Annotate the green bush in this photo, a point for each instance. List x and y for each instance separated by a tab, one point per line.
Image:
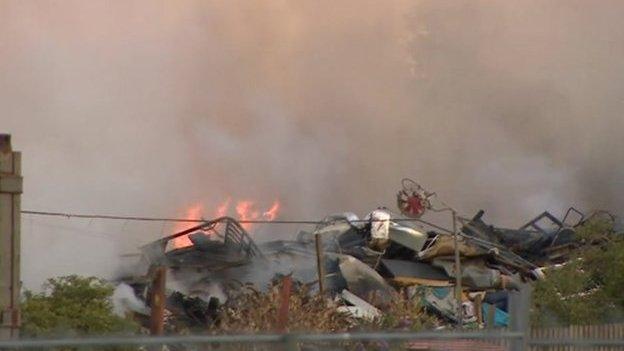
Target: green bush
588	289
72	305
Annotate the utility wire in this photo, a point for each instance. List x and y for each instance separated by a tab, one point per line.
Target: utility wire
155	219
195	220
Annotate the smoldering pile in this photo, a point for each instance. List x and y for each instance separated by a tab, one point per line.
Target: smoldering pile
382	271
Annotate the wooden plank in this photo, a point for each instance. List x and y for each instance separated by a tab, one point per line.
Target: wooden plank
535	335
547	335
590	334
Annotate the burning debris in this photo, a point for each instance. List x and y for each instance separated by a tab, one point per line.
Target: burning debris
246	210
225	281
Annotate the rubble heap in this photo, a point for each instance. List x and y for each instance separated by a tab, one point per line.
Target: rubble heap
372	268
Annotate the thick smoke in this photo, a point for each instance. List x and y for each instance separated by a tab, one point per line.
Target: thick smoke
146	107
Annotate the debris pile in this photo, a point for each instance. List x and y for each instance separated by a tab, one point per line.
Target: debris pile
380	271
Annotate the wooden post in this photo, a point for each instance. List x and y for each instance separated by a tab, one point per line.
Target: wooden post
458	273
320	263
519	305
491	316
157	320
478	303
282	313
10	211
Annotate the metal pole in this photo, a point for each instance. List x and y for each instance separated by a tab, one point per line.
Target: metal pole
157	322
10	211
458	273
319	263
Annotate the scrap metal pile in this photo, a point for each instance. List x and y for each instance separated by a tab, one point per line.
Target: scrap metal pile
366	264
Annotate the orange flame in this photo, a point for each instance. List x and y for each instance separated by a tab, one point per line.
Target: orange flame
193	212
223	208
245	210
271	213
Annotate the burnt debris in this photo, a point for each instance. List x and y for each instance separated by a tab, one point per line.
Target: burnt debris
367	264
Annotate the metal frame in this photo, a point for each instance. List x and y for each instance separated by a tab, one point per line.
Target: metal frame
234	234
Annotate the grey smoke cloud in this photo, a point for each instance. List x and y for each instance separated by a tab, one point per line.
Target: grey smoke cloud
147	107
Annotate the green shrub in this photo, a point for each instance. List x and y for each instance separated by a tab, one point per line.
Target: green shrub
588	289
72	305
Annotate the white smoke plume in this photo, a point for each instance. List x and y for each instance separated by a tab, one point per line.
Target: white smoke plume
144	107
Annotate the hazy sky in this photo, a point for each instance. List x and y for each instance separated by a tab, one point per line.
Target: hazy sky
147	107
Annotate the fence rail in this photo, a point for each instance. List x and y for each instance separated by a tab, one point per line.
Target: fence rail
606	337
594	338
284	339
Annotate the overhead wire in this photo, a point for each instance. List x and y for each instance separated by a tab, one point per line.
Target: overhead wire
201	220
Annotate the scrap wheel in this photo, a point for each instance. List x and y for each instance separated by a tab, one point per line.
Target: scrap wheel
413	199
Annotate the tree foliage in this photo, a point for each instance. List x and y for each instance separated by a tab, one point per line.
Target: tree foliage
72	305
587	289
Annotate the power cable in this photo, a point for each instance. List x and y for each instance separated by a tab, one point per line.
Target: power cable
196	220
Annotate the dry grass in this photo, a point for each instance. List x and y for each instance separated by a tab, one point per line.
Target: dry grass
252	311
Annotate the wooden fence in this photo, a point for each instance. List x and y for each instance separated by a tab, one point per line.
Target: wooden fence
579	332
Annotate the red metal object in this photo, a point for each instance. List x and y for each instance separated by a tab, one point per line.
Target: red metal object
413	200
411	205
282	313
415	207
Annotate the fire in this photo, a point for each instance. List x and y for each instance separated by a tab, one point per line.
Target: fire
223	208
271	213
246	210
193	212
